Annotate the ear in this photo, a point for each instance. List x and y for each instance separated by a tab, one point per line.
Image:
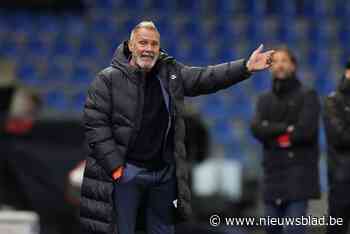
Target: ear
294	67
130	45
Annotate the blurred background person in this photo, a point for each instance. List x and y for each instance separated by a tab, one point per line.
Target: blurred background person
19	109
286	124
337	125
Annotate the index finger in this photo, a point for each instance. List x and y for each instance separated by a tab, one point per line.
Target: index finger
269	52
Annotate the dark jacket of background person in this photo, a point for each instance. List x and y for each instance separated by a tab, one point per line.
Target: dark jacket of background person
289	173
337	125
112	116
18	109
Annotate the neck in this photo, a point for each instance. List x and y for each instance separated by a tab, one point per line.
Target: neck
284	86
133	63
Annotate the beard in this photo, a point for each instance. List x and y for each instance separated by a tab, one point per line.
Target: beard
283	75
145	61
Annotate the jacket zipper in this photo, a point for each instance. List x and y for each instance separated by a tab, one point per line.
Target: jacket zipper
169	115
141	94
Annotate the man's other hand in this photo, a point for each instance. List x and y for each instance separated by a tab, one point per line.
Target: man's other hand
117	173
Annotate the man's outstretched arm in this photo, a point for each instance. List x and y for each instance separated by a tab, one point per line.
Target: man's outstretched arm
205	80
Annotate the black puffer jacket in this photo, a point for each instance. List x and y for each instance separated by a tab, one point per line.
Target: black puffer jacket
112	117
289	173
337	124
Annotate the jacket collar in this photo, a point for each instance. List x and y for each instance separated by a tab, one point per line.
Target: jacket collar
283	87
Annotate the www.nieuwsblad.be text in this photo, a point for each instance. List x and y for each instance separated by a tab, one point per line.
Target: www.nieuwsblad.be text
215	220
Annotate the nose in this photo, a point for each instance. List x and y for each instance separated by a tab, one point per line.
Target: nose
149	48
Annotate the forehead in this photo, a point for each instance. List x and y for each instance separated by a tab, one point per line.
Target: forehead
147	34
280	54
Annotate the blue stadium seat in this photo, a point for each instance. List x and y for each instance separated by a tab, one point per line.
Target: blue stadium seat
78	101
162	6
318	59
21	20
55	74
344	35
318	34
307	8
88	48
325	83
284	8
261	81
189	28
222	133
241	107
81	75
9	49
61	47
37	48
28	74
226	53
342	9
101	3
255	9
48	24
138	5
71	25
225	7
235	149
287	31
213	107
104	26
57	100
192	7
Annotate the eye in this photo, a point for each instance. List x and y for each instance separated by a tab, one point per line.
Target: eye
143	42
155	43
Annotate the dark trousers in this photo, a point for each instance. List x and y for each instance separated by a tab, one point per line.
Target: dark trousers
282	209
338	209
156	188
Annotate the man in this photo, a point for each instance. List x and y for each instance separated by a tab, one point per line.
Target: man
19	110
135	129
286	123
337	124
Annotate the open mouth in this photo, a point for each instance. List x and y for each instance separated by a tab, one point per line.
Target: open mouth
147	56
